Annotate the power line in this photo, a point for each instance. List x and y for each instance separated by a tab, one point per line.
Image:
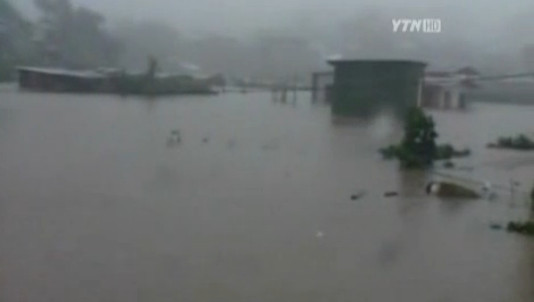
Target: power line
507	76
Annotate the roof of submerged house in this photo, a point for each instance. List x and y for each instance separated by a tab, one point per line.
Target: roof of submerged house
374	61
448	79
88	74
438	74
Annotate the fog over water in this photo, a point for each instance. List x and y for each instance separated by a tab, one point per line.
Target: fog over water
490	35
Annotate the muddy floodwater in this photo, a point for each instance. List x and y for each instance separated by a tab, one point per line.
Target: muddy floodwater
237	198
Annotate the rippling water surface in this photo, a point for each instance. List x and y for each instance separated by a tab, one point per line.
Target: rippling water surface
100	202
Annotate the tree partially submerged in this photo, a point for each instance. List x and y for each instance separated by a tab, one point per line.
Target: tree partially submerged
519	142
525	228
418	148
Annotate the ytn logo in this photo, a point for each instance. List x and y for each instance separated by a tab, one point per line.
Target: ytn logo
417	25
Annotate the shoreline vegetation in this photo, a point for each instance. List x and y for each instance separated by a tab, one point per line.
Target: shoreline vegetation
523	228
520	142
418	148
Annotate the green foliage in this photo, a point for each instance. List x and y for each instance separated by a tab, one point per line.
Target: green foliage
418	148
525	228
390	152
519	142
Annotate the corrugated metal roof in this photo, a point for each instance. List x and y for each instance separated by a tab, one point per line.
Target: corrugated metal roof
375	61
88	74
438	74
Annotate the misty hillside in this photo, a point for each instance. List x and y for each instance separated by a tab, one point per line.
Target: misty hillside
275	39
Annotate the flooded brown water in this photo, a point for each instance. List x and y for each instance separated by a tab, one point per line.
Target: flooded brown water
252	205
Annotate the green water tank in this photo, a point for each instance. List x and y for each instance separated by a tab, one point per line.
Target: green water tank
366	87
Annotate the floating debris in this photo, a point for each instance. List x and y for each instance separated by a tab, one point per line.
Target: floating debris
319	234
391	194
451	190
205	140
174	139
357	196
496	226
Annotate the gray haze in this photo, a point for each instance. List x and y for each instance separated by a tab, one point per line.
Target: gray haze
235	35
243	16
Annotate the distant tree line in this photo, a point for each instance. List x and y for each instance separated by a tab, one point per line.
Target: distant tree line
14	41
69	36
63	35
66	35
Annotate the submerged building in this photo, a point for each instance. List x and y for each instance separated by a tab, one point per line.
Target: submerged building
448	90
114	81
360	87
366	87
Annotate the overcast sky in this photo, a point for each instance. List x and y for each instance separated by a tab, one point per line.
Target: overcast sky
491	31
236	17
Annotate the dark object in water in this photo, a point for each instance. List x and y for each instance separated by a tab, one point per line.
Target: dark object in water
525	228
113	81
174	139
447	151
520	142
205	140
363	88
357	196
450	190
418	148
391	194
496	226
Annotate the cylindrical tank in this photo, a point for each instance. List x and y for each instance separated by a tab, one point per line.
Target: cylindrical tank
366	87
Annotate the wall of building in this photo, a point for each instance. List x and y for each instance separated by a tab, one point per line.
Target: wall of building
363	88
